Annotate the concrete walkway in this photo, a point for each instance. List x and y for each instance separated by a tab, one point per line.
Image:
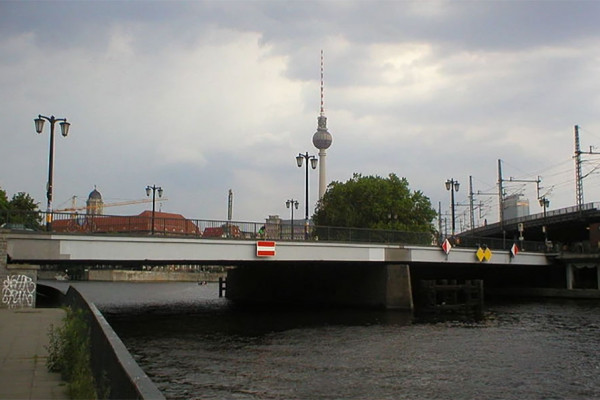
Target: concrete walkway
23	337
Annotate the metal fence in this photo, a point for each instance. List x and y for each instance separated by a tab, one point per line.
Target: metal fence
74	223
503	244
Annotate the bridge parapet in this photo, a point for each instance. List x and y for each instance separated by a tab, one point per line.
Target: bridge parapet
18	281
539	217
107	249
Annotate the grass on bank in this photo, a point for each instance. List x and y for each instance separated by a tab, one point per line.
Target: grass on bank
69	354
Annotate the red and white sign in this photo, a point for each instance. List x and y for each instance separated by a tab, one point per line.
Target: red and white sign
514	250
265	248
446	246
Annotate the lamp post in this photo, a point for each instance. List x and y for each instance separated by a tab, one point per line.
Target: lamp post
291	204
452	186
64	128
544	202
153	189
313	163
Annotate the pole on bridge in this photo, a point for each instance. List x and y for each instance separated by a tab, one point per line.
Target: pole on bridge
501	202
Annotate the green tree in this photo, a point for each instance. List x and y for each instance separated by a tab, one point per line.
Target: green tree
4	206
373	202
20	210
3	200
23	202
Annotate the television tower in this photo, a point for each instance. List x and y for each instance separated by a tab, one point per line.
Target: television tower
322	140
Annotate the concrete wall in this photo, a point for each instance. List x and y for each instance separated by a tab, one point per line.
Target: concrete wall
342	284
152	276
398	289
113	367
18	281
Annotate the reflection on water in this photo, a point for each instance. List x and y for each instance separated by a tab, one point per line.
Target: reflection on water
195	346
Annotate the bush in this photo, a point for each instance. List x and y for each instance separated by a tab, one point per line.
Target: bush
69	354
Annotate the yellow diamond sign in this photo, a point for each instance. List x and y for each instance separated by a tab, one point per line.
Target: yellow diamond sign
487	254
483	254
480	254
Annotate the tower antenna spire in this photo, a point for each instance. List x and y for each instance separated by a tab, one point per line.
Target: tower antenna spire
322	139
322	87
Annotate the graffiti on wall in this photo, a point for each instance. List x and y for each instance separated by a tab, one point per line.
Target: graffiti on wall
18	291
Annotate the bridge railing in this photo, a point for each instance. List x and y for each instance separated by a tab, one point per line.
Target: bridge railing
502	244
74	223
540	216
179	226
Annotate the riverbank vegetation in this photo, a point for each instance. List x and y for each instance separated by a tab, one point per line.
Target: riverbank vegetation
69	354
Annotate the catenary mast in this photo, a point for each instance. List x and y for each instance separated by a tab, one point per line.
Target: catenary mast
322	140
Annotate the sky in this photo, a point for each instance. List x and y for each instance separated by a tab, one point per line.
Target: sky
200	97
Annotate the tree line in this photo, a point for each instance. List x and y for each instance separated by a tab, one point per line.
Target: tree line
20	210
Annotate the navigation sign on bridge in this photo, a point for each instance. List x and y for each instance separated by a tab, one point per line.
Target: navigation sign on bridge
482	254
265	248
446	246
514	250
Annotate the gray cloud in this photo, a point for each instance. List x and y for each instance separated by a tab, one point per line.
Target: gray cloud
201	97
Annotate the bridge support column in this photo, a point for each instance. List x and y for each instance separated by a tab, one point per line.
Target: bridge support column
18	281
569	271
398	290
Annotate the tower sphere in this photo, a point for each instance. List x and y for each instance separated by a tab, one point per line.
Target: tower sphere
322	138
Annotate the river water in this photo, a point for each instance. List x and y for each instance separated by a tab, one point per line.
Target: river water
194	345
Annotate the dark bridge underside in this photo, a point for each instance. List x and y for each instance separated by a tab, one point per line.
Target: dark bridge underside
494	276
328	284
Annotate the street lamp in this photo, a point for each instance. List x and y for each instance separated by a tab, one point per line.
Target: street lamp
291	204
313	163
64	128
153	189
544	202
452	186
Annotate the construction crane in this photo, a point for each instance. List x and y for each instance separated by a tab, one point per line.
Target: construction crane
74	207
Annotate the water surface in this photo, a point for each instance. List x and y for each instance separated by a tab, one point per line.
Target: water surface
193	345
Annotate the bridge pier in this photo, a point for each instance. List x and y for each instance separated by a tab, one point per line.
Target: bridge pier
576	279
18	281
319	284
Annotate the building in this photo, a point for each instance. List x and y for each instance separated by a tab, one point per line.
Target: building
282	229
223	231
94	203
164	224
515	207
95	221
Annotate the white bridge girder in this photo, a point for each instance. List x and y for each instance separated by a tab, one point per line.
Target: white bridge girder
50	248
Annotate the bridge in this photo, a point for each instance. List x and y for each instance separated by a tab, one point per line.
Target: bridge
573	228
64	249
330	265
355	274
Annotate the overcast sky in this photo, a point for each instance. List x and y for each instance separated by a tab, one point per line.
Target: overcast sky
200	97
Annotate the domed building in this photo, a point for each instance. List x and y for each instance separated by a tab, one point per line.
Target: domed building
94	203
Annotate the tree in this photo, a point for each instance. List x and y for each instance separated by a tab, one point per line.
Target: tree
3	206
23	202
373	202
20	210
3	200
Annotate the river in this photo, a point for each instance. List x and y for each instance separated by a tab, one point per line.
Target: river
194	345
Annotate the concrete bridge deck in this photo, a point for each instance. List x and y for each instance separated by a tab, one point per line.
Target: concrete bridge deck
297	272
110	249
